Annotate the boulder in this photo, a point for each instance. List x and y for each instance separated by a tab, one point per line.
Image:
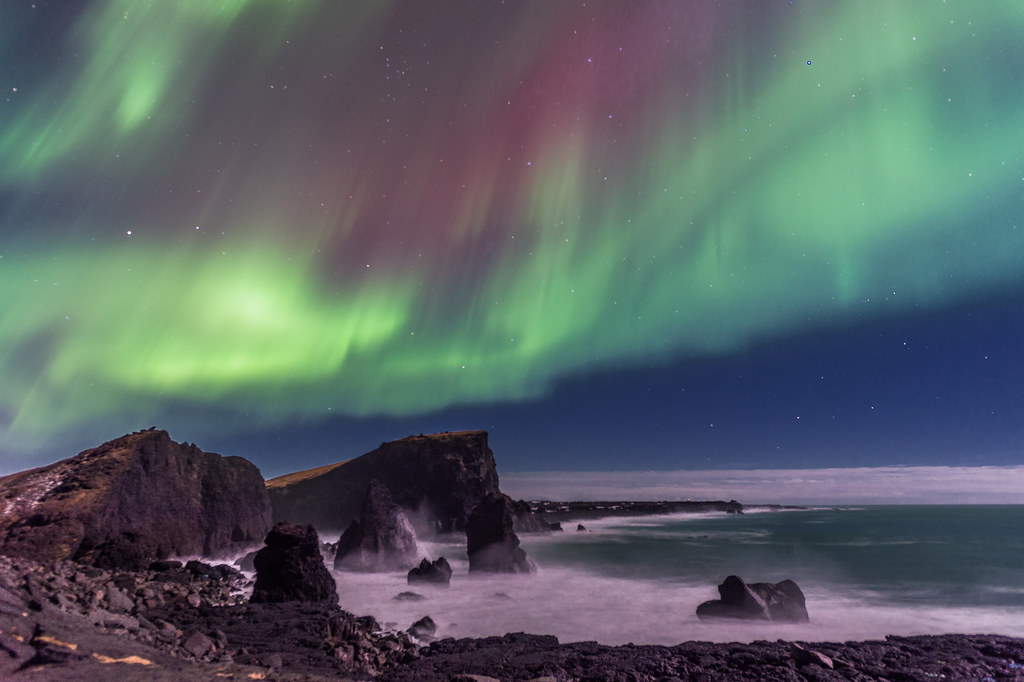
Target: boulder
438	572
291	568
782	602
424	628
443	476
381	540
491	542
132	500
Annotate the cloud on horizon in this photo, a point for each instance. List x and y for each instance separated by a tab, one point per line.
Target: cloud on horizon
866	485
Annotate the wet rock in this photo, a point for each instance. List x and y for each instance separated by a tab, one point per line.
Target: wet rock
491	542
381	540
438	572
409	596
783	601
424	628
803	656
291	568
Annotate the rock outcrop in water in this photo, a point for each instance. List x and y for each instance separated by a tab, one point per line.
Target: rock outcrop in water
131	500
438	572
291	568
491	542
781	602
443	476
381	540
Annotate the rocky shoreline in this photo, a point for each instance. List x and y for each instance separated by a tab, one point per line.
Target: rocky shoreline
65	621
87	591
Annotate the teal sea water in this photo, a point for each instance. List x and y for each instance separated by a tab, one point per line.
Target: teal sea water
950	555
866	572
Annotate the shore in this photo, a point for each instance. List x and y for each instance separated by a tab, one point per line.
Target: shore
68	622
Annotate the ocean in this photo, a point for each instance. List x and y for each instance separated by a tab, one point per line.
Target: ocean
866	572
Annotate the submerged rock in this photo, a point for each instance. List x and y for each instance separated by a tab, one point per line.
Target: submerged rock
291	568
491	543
782	602
381	540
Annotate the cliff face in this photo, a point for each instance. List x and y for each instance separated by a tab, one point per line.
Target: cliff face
443	476
135	498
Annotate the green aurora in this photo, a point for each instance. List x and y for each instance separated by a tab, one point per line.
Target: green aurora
280	209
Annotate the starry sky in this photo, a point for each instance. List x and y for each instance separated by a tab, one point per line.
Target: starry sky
617	235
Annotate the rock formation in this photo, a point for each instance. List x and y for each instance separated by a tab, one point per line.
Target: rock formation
491	542
381	540
444	476
132	500
291	568
436	573
782	602
424	628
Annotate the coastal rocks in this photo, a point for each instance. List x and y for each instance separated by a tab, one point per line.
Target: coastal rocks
291	568
68	621
131	500
438	572
424	628
491	542
781	602
442	476
381	540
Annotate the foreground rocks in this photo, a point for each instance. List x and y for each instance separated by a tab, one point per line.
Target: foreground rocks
381	540
491	542
443	476
131	500
782	602
69	622
535	657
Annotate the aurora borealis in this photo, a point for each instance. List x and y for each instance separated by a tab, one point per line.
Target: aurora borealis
254	222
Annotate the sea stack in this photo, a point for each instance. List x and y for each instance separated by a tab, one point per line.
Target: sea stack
491	542
381	540
132	500
290	567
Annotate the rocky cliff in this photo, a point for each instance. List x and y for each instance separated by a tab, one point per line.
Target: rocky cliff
443	476
133	499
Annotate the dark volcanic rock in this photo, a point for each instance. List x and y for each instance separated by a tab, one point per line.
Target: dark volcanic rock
521	656
438	572
381	540
783	602
290	568
491	542
443	476
424	628
526	520
137	498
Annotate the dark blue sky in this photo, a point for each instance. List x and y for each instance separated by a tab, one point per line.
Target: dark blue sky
928	388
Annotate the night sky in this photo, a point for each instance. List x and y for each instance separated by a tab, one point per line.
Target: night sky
617	235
